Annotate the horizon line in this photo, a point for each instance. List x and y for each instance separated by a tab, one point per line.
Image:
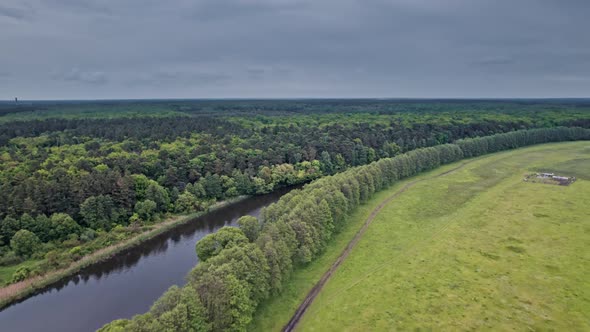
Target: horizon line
292	98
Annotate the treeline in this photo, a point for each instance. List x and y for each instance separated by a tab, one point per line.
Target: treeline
488	144
131	108
241	267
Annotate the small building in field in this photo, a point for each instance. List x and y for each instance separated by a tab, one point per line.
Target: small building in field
550	178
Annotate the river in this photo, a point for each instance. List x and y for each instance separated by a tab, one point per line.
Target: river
128	283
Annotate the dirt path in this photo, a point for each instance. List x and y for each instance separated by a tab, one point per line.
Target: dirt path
328	274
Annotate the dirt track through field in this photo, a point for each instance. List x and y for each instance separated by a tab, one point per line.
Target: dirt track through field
328	274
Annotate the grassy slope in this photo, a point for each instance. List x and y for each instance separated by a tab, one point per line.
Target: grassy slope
476	249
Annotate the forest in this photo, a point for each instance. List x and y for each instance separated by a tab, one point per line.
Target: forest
241	267
79	176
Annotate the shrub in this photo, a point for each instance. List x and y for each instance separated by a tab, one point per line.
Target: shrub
10	258
88	235
38	254
72	241
52	258
21	274
76	253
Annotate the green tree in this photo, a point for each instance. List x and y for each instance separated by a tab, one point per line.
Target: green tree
250	226
42	228
247	263
212	244
339	163
325	218
159	195
243	182
28	222
140	185
61	226
119	325
180	309
186	203
8	228
326	162
99	212
213	185
197	190
226	298
25	243
277	254
146	210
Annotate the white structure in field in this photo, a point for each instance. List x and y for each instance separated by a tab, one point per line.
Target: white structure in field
554	177
565	178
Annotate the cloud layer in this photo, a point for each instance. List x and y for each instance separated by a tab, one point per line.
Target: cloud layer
74	49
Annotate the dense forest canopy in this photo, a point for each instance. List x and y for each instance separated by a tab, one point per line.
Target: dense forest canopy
72	170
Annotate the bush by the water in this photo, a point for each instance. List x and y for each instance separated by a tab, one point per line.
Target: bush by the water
21	273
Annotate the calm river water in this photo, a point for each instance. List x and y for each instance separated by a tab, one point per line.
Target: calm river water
128	283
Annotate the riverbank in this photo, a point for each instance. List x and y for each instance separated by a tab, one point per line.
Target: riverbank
21	290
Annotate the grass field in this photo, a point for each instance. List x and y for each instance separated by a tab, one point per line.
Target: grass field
476	249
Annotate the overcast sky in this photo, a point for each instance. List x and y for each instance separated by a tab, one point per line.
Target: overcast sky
80	49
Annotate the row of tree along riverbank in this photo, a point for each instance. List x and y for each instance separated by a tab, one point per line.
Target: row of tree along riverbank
241	267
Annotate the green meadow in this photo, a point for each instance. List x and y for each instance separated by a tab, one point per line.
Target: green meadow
476	249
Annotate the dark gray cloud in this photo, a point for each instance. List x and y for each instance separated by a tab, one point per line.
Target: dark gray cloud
15	11
232	9
78	76
180	77
82	7
494	61
294	48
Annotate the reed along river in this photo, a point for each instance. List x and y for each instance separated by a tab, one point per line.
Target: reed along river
128	283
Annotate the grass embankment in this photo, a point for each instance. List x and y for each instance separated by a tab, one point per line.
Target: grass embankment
476	249
20	290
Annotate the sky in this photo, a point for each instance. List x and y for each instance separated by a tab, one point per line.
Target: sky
127	49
